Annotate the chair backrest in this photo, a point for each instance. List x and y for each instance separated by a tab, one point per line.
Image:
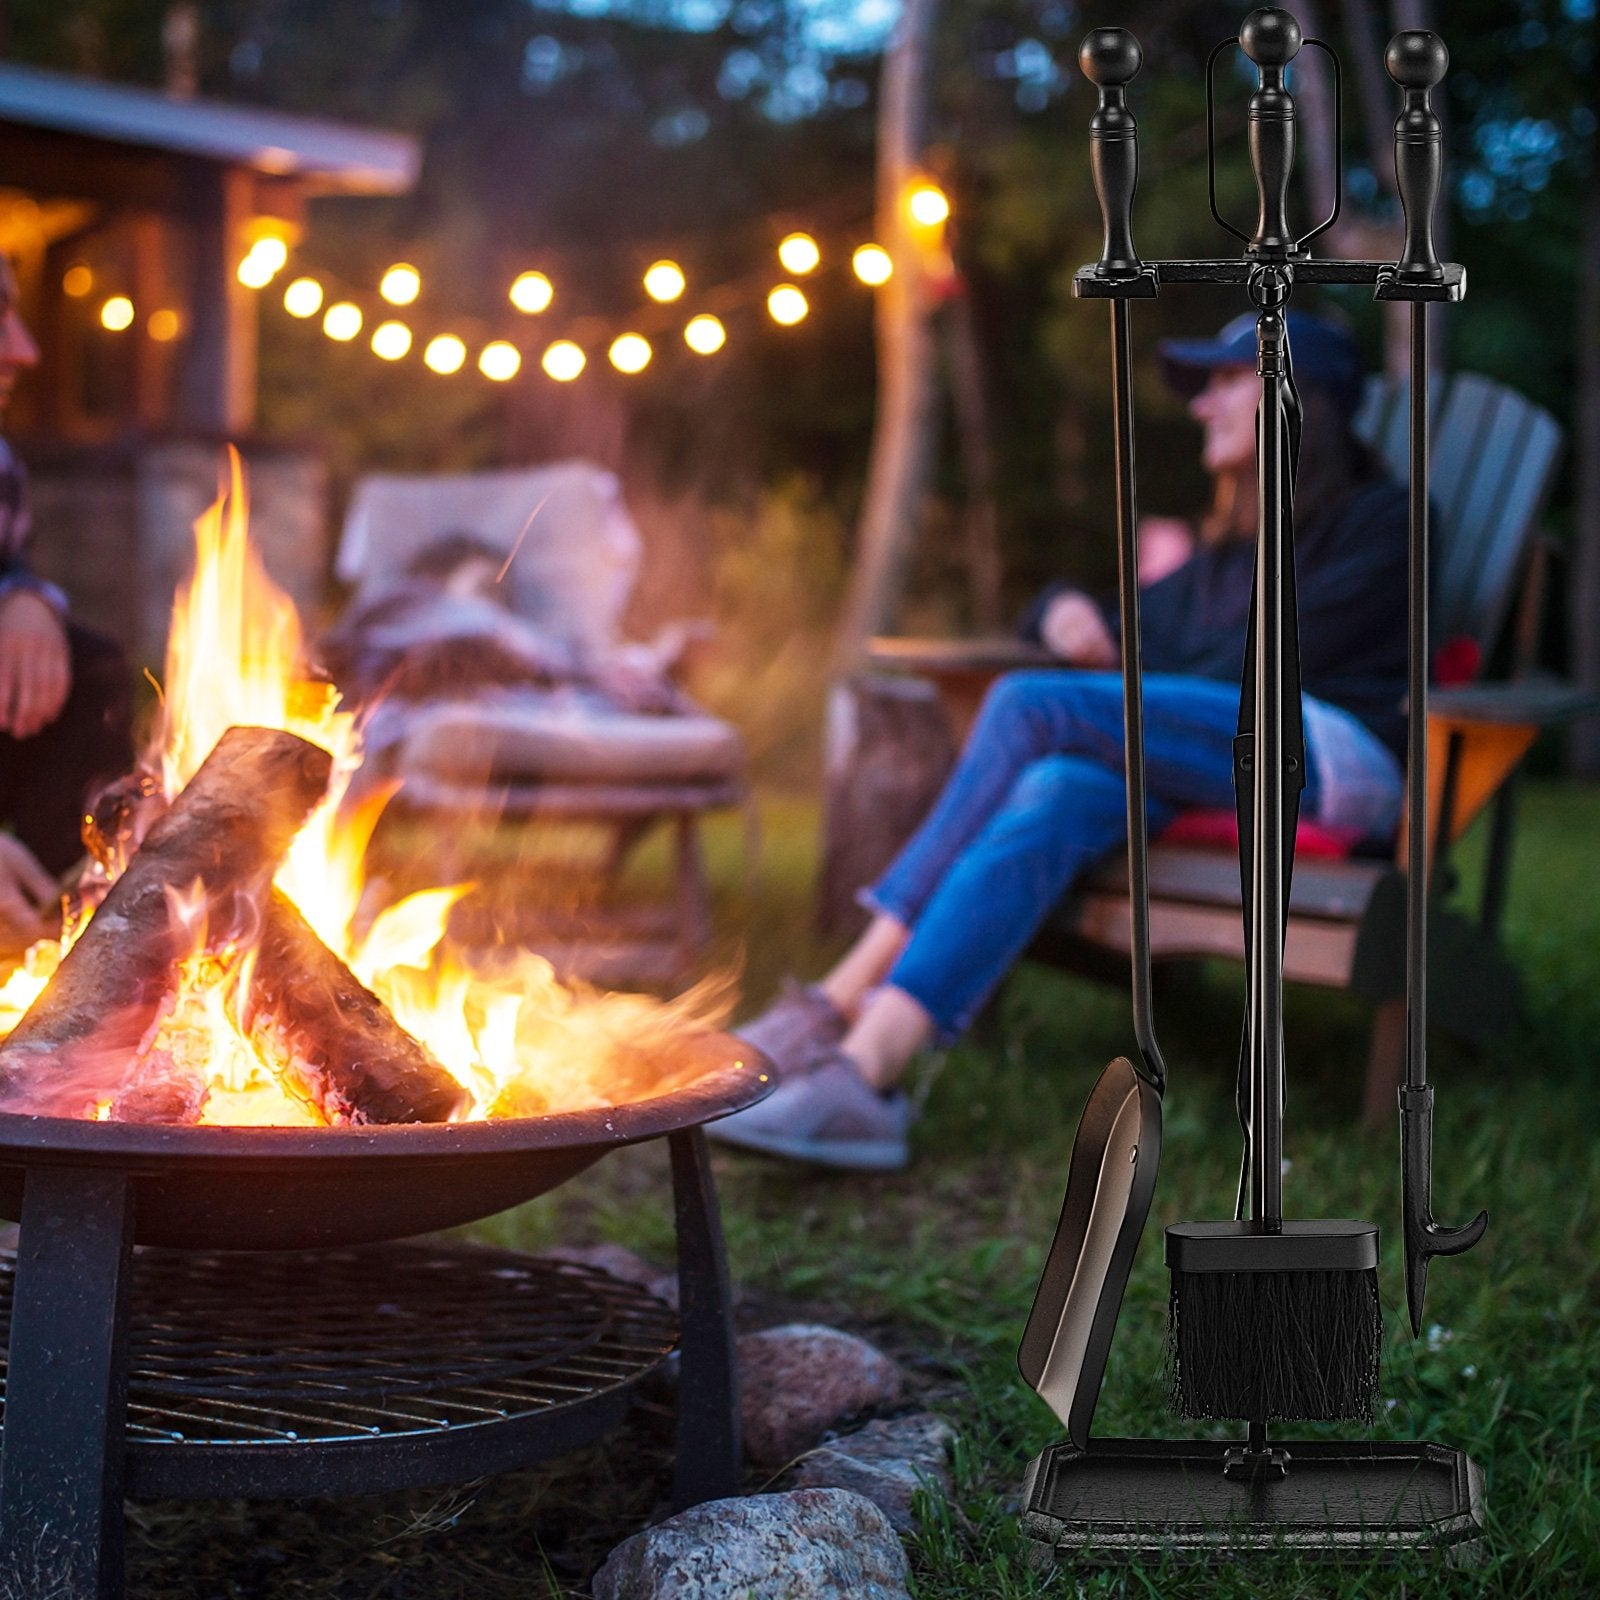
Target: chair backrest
574	551
1493	457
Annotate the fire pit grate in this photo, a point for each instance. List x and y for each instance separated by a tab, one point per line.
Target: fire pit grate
241	1363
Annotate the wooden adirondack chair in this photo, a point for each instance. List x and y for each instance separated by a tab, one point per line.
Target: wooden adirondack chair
1494	454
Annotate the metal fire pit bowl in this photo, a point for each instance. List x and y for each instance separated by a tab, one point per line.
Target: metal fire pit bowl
85	1192
228	1188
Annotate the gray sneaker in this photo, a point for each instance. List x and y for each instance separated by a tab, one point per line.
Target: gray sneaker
830	1116
799	1029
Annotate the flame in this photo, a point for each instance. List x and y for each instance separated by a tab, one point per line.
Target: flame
520	1041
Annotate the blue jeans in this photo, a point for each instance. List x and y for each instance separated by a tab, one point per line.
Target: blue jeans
1038	796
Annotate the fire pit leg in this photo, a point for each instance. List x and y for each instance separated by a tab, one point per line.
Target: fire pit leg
61	1459
707	1464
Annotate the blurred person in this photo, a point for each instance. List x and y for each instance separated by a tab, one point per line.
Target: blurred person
1038	794
65	695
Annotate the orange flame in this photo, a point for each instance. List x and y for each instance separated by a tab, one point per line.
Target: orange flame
520	1041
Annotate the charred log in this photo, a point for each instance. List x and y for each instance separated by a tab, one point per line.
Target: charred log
340	1046
225	834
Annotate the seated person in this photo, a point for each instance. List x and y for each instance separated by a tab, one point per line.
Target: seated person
65	697
1038	795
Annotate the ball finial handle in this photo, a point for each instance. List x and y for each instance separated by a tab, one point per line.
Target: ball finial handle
1417	61
1110	59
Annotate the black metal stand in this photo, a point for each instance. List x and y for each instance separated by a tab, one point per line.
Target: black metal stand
1130	1499
64	1453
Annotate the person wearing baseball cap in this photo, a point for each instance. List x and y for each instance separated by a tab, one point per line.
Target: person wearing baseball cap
1038	794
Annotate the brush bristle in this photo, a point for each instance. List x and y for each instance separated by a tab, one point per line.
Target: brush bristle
1254	1346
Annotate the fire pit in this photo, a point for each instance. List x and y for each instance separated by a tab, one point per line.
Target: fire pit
96	1331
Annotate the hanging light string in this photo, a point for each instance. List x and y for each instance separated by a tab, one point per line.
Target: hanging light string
697	315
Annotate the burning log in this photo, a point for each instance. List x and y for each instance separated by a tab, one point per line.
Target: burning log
340	1045
226	832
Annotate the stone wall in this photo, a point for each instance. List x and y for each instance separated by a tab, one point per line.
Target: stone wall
113	528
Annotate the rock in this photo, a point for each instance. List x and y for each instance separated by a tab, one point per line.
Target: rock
812	1544
797	1381
885	1461
622	1263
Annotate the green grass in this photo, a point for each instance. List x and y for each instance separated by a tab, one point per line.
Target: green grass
938	1265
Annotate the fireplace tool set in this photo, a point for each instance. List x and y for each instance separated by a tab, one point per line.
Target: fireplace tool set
1271	1318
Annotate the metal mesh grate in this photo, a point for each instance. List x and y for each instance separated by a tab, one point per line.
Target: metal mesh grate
309	1347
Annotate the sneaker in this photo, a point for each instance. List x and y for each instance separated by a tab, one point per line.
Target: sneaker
830	1116
796	1031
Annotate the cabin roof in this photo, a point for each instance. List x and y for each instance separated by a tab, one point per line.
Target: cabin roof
329	157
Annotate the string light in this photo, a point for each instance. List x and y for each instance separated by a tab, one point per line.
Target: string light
532	293
799	253
391	340
401	284
271	252
164	325
563	361
787	305
77	281
117	313
303	298
928	204
705	335
871	264
630	352
445	354
500	360
254	272
342	321
665	281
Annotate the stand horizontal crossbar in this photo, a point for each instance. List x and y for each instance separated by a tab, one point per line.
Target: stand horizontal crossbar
1145	1499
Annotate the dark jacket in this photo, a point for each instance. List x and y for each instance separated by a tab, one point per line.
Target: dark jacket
16	526
1350	581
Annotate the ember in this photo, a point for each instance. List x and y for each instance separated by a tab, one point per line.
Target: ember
212	968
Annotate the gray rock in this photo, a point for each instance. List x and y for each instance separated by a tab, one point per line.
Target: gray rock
622	1263
885	1461
813	1544
797	1381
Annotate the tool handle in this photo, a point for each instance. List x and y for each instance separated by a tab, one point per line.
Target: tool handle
1417	60
1110	59
1270	37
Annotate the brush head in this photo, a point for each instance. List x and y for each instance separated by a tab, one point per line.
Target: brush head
1278	1325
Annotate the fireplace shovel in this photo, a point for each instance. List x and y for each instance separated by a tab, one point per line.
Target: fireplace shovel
1112	1173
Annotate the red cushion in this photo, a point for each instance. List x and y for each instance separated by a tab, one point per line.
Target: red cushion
1456	662
1219	829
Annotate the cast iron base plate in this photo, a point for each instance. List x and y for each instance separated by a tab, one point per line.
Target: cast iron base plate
1127	1499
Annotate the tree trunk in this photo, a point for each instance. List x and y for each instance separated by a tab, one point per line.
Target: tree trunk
981	515
898	466
1584	747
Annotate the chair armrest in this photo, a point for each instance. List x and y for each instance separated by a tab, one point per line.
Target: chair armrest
1536	701
960	669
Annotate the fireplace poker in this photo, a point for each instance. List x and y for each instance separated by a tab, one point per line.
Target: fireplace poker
1111	1174
1417	61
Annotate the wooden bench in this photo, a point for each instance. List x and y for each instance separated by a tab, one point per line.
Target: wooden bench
1494	454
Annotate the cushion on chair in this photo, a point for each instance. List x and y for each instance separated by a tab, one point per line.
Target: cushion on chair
1219	829
572	551
517	739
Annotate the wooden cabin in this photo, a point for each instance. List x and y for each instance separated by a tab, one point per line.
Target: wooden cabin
117	194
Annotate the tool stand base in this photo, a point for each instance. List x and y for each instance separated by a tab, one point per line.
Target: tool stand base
1148	1499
